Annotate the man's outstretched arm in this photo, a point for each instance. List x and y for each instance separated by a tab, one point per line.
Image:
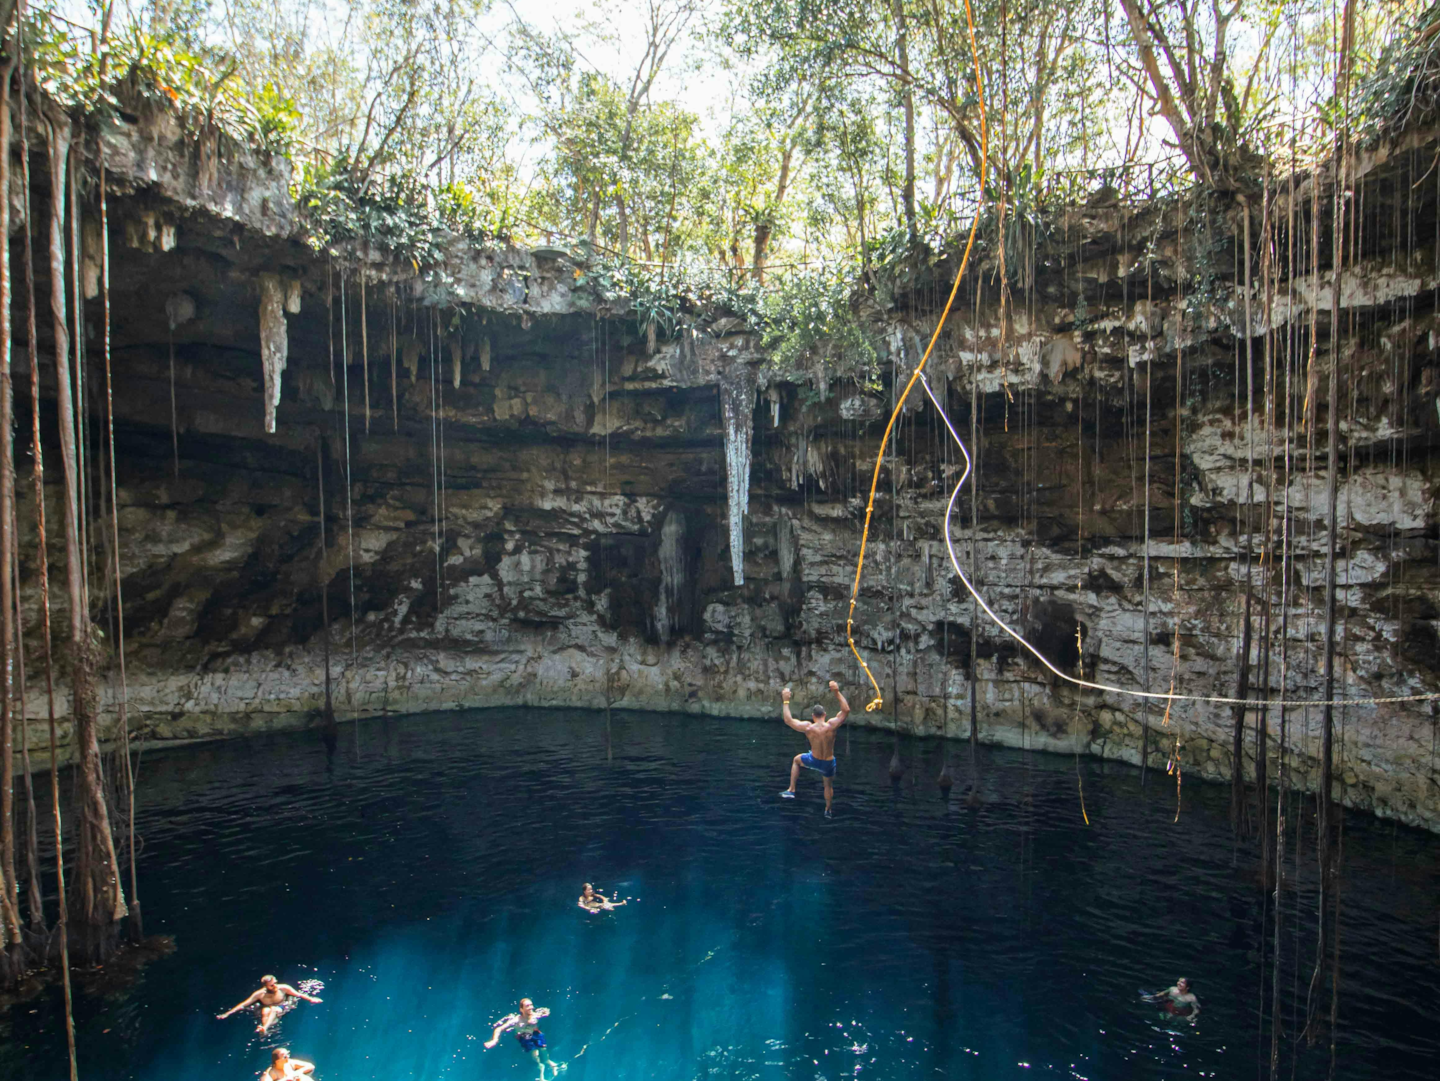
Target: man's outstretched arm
298	994
785	711
844	706
505	1024
254	997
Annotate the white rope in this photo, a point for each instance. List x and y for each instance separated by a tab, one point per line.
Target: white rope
1088	684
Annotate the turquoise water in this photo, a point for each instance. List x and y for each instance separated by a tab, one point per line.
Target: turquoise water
427	873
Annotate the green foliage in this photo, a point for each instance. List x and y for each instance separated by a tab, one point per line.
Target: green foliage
811	330
392	215
623	174
135	67
411	121
396	213
482	213
1402	89
807	322
667	298
1028	208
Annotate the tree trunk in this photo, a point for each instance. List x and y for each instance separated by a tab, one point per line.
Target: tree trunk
97	903
907	104
33	901
10	907
1185	136
622	236
37	475
765	228
137	922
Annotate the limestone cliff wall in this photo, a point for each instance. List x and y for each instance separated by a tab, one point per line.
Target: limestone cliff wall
548	512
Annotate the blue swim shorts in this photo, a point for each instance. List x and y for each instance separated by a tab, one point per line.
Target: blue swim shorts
823	766
531	1041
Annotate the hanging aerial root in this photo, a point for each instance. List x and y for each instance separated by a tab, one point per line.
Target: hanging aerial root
879	699
1169	697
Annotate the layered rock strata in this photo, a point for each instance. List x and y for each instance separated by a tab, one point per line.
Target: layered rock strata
540	509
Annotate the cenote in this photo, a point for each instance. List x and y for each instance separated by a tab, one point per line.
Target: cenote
435	433
427	872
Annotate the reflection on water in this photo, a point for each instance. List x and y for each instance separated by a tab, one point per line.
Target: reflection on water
432	880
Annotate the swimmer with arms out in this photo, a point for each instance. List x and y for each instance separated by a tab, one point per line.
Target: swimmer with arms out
271	999
821	734
285	1068
1178	1001
526	1026
591	901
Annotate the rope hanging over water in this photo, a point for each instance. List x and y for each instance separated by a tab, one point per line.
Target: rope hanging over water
879	699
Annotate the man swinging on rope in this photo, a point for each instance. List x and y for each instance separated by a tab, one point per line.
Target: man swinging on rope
821	734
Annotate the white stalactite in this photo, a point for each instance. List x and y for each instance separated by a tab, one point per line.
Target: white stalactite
737	406
274	343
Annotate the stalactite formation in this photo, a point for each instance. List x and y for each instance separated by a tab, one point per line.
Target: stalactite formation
274	343
737	407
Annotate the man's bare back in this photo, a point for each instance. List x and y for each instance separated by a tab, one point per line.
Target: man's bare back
820	733
822	737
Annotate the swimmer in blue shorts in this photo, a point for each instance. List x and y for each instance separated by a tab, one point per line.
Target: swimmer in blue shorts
821	734
526	1026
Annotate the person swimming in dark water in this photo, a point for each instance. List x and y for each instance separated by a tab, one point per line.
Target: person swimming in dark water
526	1026
1178	1001
271	998
591	901
285	1068
821	734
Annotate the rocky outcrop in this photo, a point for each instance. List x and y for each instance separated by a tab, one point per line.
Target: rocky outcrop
540	509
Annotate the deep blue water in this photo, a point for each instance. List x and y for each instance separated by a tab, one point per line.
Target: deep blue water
427	873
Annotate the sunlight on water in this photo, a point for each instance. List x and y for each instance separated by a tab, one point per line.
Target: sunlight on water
428	884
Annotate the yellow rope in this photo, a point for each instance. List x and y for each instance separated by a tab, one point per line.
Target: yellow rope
879	699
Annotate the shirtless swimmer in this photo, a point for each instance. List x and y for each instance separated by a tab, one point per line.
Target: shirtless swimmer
1178	1001
271	999
821	734
593	901
526	1026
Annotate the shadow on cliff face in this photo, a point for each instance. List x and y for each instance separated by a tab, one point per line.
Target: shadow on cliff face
1421	644
1051	629
654	581
262	585
952	641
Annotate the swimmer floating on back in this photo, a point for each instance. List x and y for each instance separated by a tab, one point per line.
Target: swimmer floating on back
285	1068
591	901
526	1026
821	734
271	999
1178	1001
